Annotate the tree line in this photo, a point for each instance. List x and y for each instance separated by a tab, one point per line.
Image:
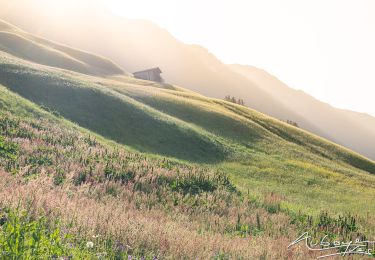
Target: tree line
235	100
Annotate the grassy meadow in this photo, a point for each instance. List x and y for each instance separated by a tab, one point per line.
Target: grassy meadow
102	165
67	192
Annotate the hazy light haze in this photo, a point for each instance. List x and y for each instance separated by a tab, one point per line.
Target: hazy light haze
325	48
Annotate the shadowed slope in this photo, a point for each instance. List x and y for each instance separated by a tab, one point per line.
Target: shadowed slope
109	113
159	120
136	45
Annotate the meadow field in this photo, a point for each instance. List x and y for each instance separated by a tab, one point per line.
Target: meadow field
98	164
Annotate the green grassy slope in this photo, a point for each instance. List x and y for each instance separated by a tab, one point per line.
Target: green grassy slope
64	187
109	113
279	175
262	155
135	204
26	46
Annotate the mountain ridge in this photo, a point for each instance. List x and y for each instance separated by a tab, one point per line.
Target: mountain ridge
337	122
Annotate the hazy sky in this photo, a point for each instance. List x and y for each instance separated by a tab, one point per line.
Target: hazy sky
325	47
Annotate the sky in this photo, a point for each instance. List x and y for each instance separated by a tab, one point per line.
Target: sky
324	47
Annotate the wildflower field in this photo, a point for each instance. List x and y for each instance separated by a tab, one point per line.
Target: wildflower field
70	194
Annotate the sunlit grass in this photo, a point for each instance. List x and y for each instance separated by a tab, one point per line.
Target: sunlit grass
213	180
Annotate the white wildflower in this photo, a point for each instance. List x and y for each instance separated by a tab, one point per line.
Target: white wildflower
89	244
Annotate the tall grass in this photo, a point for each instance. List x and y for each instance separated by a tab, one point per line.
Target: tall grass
251	186
70	195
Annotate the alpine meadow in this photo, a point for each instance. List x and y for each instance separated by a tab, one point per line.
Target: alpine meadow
98	164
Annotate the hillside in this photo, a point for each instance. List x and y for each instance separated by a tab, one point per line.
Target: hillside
58	176
333	123
136	45
155	170
26	46
174	122
67	192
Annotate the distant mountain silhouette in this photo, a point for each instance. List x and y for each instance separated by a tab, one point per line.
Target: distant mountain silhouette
352	129
138	44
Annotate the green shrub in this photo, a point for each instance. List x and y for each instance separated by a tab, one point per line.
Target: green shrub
198	183
343	227
22	237
119	176
8	154
193	185
59	177
80	178
111	190
8	150
40	159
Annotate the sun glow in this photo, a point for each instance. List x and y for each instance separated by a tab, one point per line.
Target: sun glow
141	9
310	45
55	8
163	12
